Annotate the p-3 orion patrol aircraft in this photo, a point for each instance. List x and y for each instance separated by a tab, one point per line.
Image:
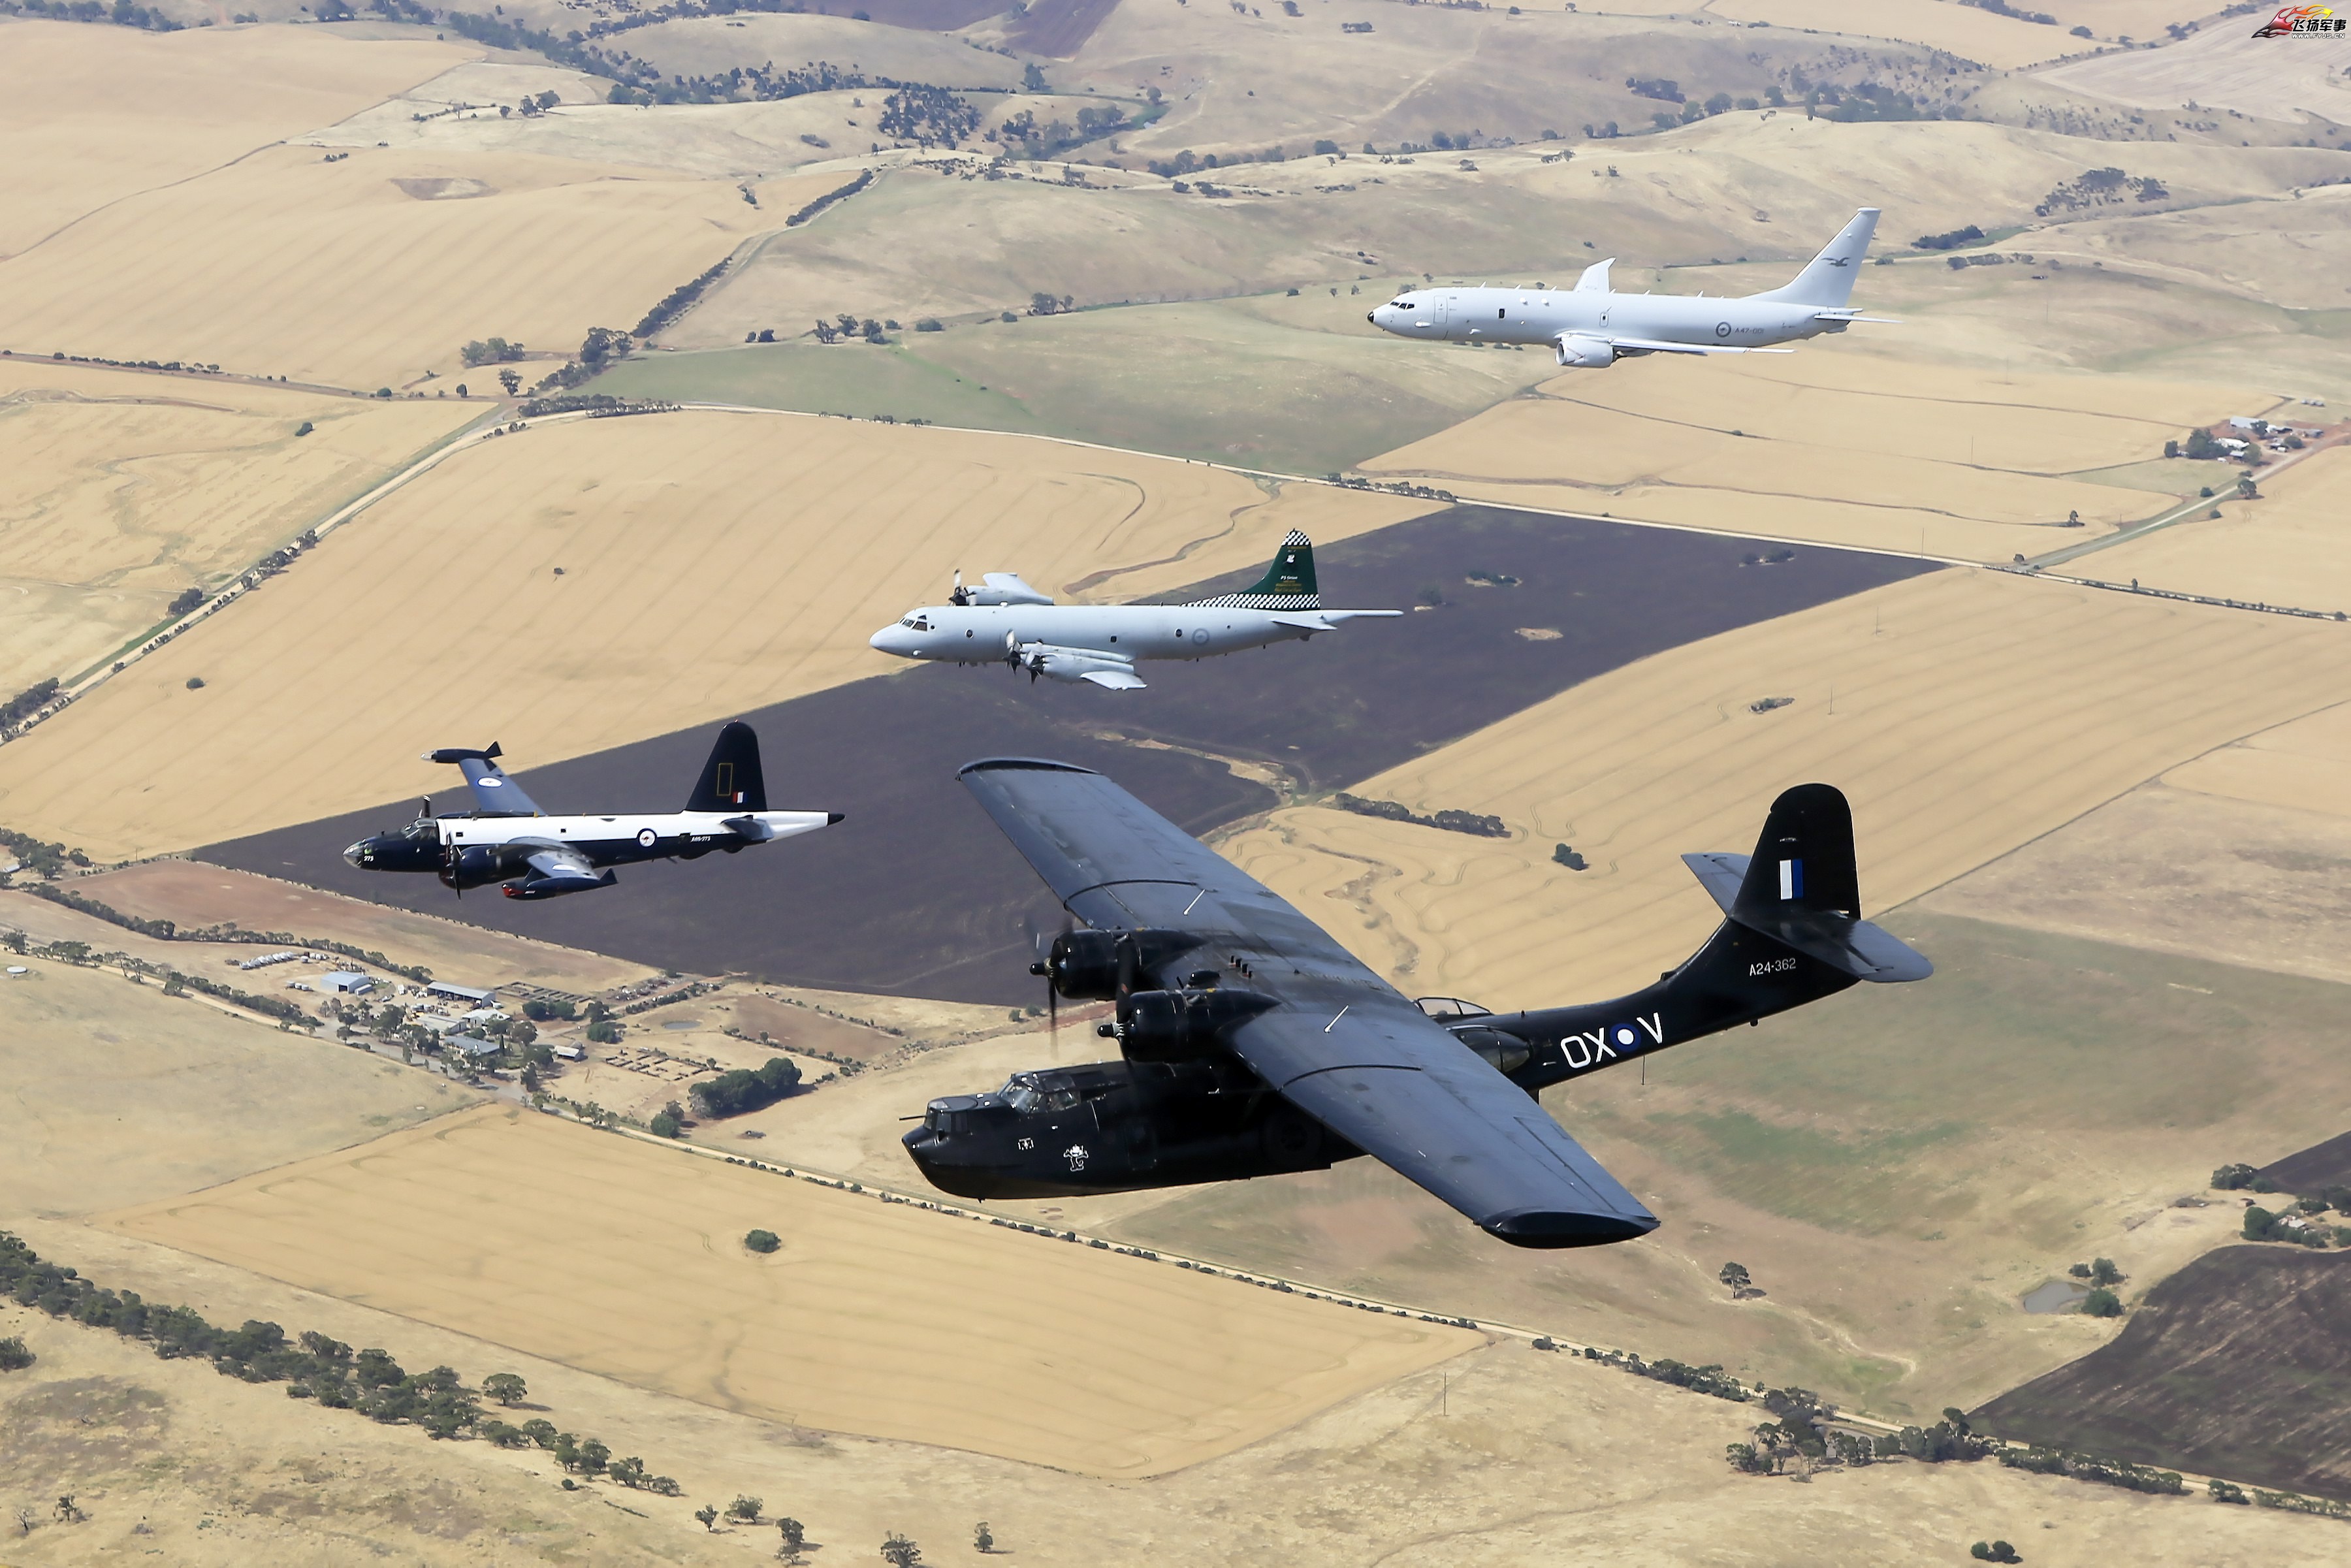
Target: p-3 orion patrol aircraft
1251	1044
1593	326
507	838
1006	620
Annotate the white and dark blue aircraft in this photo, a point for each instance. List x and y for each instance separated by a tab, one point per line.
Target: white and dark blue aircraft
1591	326
508	839
1006	621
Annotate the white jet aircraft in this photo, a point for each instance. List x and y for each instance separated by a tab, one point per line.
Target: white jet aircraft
1593	327
1008	621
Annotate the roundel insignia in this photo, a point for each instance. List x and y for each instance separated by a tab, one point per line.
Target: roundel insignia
646	837
1200	638
1624	1038
489	783
1722	328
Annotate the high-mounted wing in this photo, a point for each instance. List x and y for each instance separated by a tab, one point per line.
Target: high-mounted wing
495	794
1338	1042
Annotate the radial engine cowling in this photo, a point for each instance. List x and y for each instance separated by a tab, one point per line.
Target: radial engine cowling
1096	965
1175	1025
1579	353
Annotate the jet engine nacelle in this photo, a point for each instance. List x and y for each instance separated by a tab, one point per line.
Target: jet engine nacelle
1586	353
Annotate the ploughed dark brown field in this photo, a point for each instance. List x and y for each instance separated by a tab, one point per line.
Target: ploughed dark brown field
917	895
2239	1366
2313	1169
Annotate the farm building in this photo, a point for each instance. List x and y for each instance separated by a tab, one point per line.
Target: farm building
349	981
450	991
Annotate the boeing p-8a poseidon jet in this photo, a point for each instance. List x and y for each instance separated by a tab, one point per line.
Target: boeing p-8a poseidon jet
1593	327
1006	621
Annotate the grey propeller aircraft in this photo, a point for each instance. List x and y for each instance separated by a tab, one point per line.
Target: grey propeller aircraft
1591	326
1251	1044
1006	621
508	839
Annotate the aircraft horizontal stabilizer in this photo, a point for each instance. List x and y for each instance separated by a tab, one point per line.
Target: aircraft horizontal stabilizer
1801	888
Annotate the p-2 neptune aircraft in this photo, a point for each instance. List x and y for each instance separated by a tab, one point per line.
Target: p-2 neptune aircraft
1251	1044
1005	621
507	838
1591	326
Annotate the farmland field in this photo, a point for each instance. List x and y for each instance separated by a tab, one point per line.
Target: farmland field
2233	1367
115	1094
2286	548
885	1321
595	584
1964	713
92	117
920	896
123	489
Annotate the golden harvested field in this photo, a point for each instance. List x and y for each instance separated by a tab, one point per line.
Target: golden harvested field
2300	766
2293	547
222	1474
89	116
712	563
440	248
123	488
882	1319
2004	42
190	894
2223	67
2181	870
1824	444
114	1093
1963	713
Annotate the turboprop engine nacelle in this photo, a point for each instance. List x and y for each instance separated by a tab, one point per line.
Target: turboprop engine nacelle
1586	353
1060	664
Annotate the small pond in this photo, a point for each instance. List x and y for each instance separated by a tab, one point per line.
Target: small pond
2055	1296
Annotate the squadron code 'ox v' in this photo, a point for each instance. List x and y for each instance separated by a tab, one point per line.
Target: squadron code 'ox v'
1251	1044
508	836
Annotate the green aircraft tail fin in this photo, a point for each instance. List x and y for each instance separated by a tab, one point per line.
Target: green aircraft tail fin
1288	582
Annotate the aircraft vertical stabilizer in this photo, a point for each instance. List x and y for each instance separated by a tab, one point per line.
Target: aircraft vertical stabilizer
1827	281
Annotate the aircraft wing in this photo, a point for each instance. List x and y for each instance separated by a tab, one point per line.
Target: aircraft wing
495	794
1115	680
1339	1043
1660	346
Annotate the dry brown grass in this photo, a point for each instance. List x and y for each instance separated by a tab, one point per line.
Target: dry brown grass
1963	713
191	894
1460	1465
712	563
1828	445
535	250
90	116
2293	547
882	1319
117	1093
2184	870
2299	767
123	488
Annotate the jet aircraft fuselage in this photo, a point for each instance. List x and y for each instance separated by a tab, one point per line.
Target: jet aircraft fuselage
1006	621
1591	326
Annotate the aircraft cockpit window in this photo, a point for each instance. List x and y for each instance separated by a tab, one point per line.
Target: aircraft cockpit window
1061	1099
